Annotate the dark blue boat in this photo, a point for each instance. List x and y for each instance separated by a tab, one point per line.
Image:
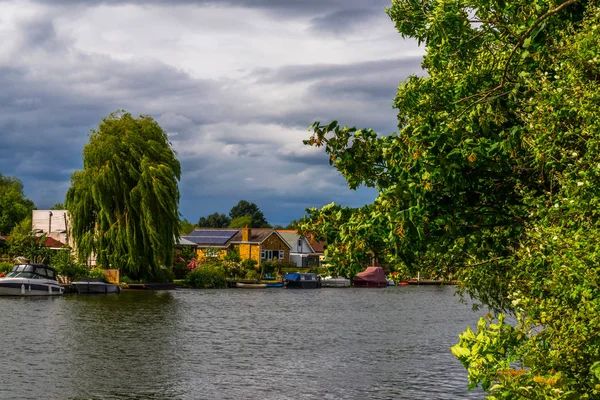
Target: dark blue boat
302	280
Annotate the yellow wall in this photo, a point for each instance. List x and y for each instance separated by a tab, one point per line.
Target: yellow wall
274	242
201	253
252	251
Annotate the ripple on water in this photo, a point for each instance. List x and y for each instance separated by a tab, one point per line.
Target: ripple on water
236	344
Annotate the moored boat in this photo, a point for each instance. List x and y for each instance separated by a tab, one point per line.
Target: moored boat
30	280
302	280
371	277
95	286
250	285
328	281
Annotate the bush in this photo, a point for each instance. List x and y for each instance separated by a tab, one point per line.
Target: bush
96	273
162	275
72	271
249	264
206	277
5	267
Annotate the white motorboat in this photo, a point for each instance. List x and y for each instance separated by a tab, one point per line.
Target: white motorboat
328	281
30	280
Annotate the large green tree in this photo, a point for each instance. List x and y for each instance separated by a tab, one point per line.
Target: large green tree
494	174
245	208
14	205
124	203
214	220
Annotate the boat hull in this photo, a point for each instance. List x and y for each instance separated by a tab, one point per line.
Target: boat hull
335	282
251	285
302	284
95	288
369	284
19	287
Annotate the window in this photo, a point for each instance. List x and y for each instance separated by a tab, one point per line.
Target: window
211	253
266	254
271	254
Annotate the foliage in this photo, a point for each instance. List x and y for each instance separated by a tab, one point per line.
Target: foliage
28	246
206	277
352	239
241	222
63	262
493	176
181	259
5	267
274	268
124	203
245	208
96	273
186	226
58	206
214	220
14	205
233	255
296	223
249	264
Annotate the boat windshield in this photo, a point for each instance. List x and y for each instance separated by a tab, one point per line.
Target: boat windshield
31	272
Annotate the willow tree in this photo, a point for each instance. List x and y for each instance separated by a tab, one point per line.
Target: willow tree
124	203
495	171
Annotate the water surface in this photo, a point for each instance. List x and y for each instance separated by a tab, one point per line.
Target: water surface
390	343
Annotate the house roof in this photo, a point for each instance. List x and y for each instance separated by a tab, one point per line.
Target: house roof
291	237
185	242
258	235
53	243
319	247
208	237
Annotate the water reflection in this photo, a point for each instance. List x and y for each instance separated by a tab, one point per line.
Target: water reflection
221	344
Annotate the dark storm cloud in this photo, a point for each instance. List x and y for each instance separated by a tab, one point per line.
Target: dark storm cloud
346	19
286	7
235	138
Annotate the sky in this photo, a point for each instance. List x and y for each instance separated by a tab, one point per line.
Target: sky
235	83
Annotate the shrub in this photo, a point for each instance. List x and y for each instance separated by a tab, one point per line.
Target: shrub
249	264
96	273
5	267
206	277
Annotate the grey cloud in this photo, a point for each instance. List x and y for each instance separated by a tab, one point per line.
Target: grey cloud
402	67
285	7
47	110
346	20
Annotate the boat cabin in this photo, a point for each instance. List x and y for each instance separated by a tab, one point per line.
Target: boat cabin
302	280
32	271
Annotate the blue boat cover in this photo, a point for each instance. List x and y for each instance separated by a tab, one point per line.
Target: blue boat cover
297	276
292	276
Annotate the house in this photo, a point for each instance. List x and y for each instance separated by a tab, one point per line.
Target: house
301	253
211	242
259	244
54	224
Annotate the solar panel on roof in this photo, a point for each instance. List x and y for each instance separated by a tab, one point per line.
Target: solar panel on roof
207	236
216	233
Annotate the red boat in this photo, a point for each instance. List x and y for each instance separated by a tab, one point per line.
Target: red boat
371	277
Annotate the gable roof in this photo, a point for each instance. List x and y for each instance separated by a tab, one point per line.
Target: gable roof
211	237
53	243
185	242
291	237
258	236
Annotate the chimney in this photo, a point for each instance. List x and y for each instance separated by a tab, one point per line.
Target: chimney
246	234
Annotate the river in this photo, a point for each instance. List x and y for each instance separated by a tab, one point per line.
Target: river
390	343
